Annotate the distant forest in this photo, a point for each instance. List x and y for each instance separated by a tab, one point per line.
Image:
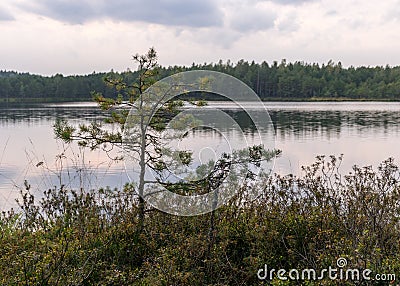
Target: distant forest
276	81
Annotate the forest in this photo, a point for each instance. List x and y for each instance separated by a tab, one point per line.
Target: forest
276	81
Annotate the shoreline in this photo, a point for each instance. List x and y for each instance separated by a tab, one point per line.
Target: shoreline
35	101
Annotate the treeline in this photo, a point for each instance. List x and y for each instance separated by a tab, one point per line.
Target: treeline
301	80
276	81
25	87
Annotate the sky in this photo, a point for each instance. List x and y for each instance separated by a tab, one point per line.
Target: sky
84	36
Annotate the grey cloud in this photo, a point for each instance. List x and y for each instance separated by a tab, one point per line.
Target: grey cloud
191	13
5	16
74	12
218	37
331	13
252	20
288	25
394	13
289	2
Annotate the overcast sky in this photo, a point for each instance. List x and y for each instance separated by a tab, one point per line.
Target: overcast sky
82	36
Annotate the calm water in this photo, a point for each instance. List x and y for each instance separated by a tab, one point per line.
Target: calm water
366	133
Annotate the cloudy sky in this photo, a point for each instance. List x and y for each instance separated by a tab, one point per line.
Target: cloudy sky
82	36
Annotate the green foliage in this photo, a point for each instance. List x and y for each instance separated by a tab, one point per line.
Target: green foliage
88	237
63	130
276	81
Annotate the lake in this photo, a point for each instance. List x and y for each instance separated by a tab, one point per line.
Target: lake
365	132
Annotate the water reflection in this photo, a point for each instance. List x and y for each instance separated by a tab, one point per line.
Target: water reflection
323	124
327	124
366	133
38	114
298	119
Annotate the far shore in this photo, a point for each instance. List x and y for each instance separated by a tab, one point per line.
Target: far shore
36	101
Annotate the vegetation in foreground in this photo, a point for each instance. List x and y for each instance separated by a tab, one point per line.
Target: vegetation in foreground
88	238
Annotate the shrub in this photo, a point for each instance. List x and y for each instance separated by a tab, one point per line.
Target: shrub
84	237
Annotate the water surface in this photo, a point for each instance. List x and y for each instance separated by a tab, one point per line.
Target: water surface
366	133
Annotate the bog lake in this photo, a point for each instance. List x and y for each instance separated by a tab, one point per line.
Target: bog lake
366	133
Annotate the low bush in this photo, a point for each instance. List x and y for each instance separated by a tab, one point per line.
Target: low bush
90	237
